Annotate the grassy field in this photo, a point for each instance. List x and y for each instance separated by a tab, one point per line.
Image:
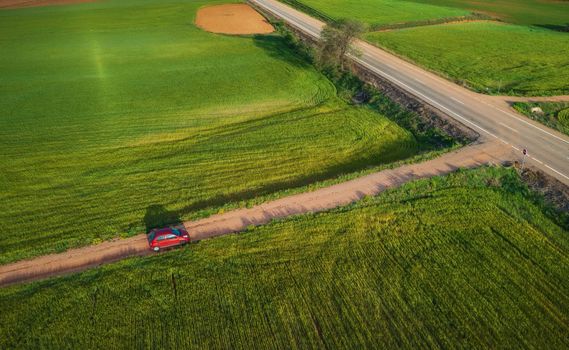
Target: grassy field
547	13
470	260
488	57
555	114
109	108
377	12
521	59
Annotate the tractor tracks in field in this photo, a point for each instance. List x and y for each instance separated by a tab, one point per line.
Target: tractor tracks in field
75	260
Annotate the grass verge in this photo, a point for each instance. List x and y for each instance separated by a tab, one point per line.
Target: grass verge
553	114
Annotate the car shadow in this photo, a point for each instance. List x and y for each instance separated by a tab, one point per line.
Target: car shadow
158	216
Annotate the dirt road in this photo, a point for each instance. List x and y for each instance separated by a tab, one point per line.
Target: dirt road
319	200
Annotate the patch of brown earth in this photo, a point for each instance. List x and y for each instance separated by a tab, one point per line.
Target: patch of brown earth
12	4
236	19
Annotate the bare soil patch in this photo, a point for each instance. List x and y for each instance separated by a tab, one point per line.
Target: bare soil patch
236	19
11	4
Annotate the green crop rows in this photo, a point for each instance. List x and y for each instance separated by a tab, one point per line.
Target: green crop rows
470	260
111	107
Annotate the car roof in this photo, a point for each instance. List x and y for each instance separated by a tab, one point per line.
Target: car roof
163	230
160	231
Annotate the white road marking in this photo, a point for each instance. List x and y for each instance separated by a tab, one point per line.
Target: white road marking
524	121
504	125
550	168
378	71
422	95
457	100
315	34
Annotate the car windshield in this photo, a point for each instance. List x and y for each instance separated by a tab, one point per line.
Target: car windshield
151	236
176	232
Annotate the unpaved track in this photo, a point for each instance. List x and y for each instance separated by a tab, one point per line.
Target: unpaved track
319	200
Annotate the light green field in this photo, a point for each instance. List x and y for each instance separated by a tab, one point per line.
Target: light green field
465	261
547	13
506	59
376	12
111	107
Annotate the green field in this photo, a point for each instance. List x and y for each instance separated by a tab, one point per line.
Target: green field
521	59
377	12
109	108
470	260
547	13
506	59
555	114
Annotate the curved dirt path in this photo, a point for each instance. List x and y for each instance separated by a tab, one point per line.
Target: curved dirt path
319	200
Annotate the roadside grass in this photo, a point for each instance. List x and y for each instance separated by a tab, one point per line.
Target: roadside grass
110	108
376	12
487	57
469	260
555	114
548	14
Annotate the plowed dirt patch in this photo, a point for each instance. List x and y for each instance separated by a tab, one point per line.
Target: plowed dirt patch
232	19
10	4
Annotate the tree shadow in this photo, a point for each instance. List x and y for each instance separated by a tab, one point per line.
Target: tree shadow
158	216
557	27
278	47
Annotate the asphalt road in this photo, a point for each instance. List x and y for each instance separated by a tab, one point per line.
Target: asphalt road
547	149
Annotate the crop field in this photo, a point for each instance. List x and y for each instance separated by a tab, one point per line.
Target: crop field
486	56
111	107
547	13
377	12
527	58
470	260
555	114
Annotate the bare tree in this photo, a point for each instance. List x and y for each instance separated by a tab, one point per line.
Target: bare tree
336	42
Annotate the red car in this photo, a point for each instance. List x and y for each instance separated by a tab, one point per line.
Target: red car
167	237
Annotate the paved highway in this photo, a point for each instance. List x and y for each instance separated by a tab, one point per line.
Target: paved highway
547	149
